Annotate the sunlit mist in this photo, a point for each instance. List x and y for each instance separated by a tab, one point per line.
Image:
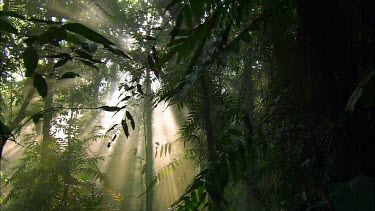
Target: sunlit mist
124	157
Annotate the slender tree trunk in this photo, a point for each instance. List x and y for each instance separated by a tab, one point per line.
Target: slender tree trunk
211	139
211	142
67	176
248	95
149	145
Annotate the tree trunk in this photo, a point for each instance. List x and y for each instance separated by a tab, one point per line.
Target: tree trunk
149	145
211	142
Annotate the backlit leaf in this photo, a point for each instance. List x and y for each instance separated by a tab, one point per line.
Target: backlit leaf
110	108
83	54
173	2
113	127
139	89
30	60
114	137
187	12
41	85
125	128
61	62
126	98
87	32
161	150
37	117
117	52
90	64
129	116
4	25
69	75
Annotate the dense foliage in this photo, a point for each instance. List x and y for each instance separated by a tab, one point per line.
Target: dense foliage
279	97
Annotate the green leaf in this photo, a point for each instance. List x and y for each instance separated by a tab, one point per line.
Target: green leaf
263	140
139	89
235	132
4	25
30	60
200	35
358	92
169	148
125	128
233	165
187	12
43	21
11	14
60	55
125	98
87	32
197	8
5	131
173	2
176	42
110	129
61	62
83	54
37	117
161	150
129	116
89	47
69	75
181	32
52	35
166	57
149	38
90	64
185	50
179	20
41	85
73	39
110	108
116	51
194	198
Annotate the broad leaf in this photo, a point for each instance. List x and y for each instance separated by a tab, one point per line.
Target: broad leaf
110	108
83	54
30	60
90	64
161	150
53	34
62	61
69	75
4	25
89	47
129	116
87	32
125	128
41	85
37	117
139	89
173	3
110	129
117	52
11	14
